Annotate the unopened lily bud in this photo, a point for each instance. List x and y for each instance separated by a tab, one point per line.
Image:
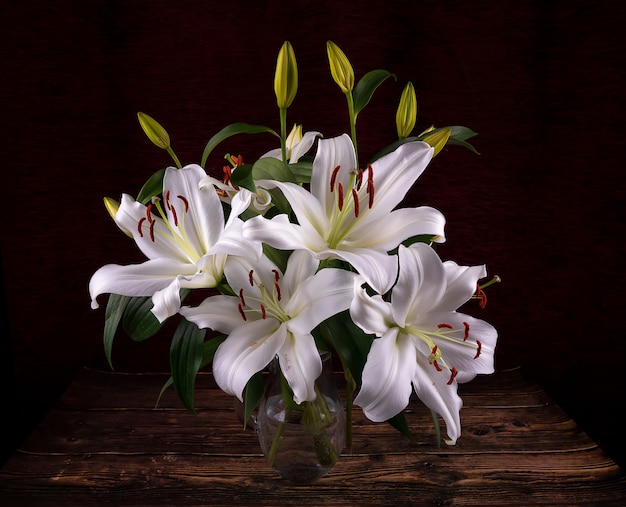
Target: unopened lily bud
155	132
438	140
286	77
340	67
406	115
294	137
112	206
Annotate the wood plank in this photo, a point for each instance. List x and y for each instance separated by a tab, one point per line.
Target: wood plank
105	443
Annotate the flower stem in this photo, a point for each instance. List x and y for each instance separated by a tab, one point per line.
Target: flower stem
174	157
352	115
283	133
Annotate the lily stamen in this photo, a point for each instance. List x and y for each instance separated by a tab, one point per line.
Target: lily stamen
250	277
277	287
333	178
466	332
241	312
479	347
453	373
340	196
355	199
241	298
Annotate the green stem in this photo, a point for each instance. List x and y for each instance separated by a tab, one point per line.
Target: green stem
350	386
352	115
283	133
174	157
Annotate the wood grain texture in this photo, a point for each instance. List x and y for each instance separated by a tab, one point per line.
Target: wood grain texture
104	443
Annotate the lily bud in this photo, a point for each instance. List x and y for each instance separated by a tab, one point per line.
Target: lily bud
112	206
286	77
155	132
340	67
438	140
294	137
406	115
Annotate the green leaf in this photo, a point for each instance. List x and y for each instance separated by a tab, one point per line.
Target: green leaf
114	312
399	423
152	187
349	342
231	130
186	356
139	322
302	170
242	177
270	168
278	257
252	394
366	87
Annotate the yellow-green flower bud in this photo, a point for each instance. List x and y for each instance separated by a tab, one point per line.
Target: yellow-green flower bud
112	206
340	67
286	77
155	132
406	115
438	140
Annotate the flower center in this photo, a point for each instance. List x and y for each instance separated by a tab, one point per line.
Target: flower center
269	302
174	231
348	202
444	332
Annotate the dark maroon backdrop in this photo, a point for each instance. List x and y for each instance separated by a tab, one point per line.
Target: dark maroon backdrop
543	205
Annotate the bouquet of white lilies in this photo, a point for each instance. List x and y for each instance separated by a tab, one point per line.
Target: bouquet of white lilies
304	254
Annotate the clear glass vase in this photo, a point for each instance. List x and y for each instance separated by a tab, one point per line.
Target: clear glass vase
301	442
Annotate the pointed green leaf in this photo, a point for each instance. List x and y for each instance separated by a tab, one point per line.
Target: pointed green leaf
231	130
186	356
366	87
152	187
139	322
278	257
242	177
113	314
272	169
252	394
302	170
399	423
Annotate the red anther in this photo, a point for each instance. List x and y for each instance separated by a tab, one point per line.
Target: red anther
185	202
250	279
355	199
241	298
359	179
241	312
174	216
277	287
276	275
139	224
221	193
436	365
434	350
482	295
479	346
152	230
466	332
340	196
333	178
227	174
263	314
370	173
443	324
149	213
453	373
238	160
167	200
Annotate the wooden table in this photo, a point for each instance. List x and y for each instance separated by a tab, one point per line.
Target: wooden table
104	443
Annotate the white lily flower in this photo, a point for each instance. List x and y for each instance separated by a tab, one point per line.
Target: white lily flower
184	237
297	144
422	340
273	316
349	214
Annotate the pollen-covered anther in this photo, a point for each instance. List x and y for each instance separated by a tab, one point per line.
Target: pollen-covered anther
251	277
333	178
276	275
482	296
277	288
453	373
359	179
185	202
263	313
340	196
241	312
479	346
241	298
466	331
355	199
444	325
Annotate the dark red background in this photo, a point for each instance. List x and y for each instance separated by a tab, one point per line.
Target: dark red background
543	205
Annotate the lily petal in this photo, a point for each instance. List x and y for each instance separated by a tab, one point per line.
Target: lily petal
461	283
301	365
387	375
219	313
